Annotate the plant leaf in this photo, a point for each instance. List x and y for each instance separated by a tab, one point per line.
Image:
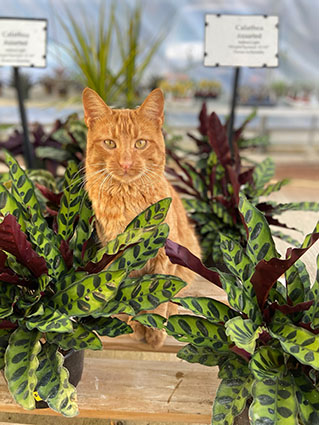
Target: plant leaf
24	192
231	399
14	240
268	272
178	254
260	245
151	320
70	201
53	382
107	326
135	257
4	341
81	339
307	396
153	215
297	341
267	363
238	298
211	309
294	285
21	363
274	401
197	331
243	332
8	296
234	367
265	191
263	172
144	293
312	315
87	295
203	355
237	262
82	232
47	250
50	321
8	204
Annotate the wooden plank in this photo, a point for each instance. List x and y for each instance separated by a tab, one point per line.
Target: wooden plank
168	391
127	343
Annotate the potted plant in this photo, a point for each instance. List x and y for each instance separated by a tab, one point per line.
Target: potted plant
266	340
211	186
59	291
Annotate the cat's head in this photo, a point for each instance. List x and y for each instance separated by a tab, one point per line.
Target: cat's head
124	145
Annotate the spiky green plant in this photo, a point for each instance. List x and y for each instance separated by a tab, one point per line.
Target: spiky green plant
59	291
95	48
266	340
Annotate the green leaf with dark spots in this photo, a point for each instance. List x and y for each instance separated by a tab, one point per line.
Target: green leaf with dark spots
151	320
88	295
144	293
312	314
263	172
108	326
48	250
233	367
152	216
192	205
231	398
260	245
82	231
297	341
198	331
131	260
307	396
70	201
21	363
50	321
235	258
267	363
243	332
211	309
206	356
4	341
23	191
274	400
8	297
9	205
238	298
81	339
53	382
294	285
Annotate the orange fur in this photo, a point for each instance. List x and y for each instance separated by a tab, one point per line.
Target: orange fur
125	180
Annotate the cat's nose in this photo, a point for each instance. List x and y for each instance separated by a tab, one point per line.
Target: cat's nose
126	165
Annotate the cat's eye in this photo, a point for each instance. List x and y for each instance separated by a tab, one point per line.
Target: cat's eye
140	144
110	144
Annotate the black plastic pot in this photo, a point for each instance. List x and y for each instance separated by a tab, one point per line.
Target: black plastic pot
73	362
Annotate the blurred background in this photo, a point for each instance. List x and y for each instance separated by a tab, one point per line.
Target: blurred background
148	44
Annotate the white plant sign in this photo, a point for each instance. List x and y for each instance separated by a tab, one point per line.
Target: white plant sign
241	40
23	42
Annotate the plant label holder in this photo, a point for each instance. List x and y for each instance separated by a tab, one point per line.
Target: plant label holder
23	43
240	41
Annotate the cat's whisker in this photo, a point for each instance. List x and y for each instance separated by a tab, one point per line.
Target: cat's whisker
92	178
109	175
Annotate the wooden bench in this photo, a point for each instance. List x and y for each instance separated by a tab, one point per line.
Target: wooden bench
129	381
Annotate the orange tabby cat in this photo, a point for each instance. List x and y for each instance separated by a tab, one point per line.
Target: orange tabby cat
125	162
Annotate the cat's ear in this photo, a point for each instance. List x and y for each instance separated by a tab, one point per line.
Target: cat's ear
153	106
94	106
